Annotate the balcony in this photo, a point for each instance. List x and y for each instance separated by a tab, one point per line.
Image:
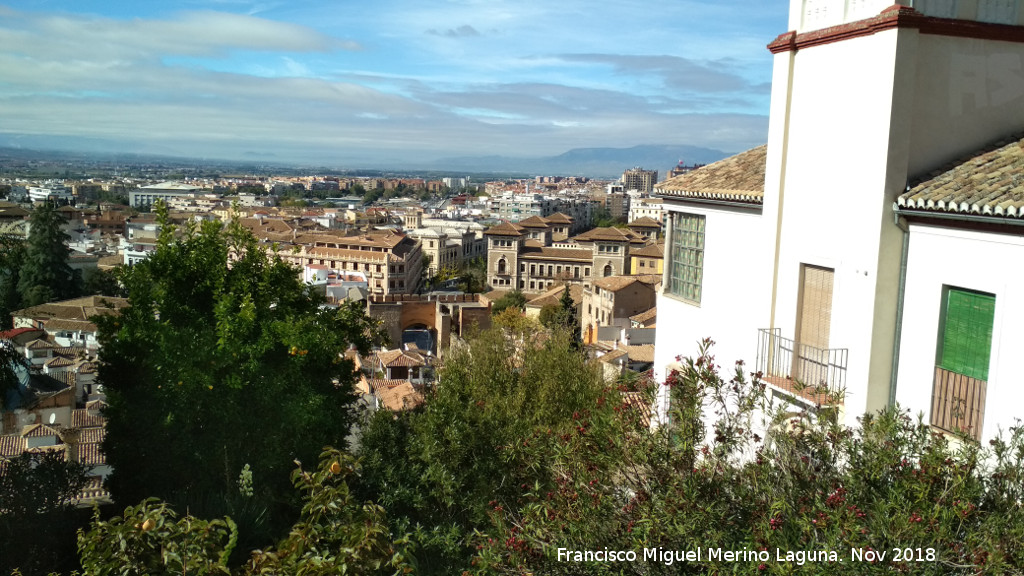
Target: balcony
958	403
815	375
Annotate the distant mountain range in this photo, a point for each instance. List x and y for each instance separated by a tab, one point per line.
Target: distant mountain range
599	163
592	162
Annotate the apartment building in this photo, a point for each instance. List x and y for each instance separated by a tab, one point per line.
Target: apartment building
522	256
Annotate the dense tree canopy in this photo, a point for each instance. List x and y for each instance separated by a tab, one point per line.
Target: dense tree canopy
45	275
216	366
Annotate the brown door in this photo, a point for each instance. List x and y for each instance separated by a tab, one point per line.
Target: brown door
813	321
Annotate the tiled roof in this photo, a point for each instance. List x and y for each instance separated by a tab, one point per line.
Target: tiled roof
739	178
636	401
988	183
396	358
608	234
401	397
644	317
92	435
37	431
551	253
39	344
640	353
91	454
533	222
559	218
12	445
612	356
505	229
554	296
615	283
85	418
60	324
650	251
645	222
59	362
378	384
76	309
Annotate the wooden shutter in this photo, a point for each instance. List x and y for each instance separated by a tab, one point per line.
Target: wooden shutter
814	315
967	333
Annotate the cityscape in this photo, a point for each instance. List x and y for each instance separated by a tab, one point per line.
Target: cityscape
782	343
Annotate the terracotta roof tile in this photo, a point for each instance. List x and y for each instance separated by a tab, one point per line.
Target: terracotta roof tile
650	251
559	218
505	229
989	182
400	397
645	222
609	234
636	401
534	222
554	296
378	385
615	283
739	178
85	418
396	358
12	445
91	454
645	317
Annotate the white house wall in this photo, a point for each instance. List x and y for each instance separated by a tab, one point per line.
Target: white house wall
735	292
837	190
979	261
967	94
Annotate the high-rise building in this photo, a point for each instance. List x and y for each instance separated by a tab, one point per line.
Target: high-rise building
639	179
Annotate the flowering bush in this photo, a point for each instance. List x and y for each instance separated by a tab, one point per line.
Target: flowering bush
887	496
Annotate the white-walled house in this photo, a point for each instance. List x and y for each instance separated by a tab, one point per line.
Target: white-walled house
815	274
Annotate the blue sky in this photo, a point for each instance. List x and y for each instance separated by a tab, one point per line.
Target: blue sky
349	82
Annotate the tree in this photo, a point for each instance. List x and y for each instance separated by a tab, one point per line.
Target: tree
12	257
37	512
103	282
45	275
564	315
441	472
334	534
215	366
513	299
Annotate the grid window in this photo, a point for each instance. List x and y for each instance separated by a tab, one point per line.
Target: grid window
686	263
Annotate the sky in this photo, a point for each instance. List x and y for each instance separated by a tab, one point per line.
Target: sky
345	82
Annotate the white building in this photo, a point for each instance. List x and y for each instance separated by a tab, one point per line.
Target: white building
815	274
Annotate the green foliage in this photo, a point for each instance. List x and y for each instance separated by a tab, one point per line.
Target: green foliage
514	299
440	471
37	514
812	485
103	282
45	275
335	534
215	366
473	276
12	257
564	315
151	539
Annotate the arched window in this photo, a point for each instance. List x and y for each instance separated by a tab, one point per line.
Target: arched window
607	270
501	266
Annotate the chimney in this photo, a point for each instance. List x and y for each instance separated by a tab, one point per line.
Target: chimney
70	437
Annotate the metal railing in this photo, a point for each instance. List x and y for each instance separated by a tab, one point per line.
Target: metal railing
780	357
958	402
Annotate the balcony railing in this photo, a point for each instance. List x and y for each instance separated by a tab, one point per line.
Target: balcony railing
815	374
958	403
